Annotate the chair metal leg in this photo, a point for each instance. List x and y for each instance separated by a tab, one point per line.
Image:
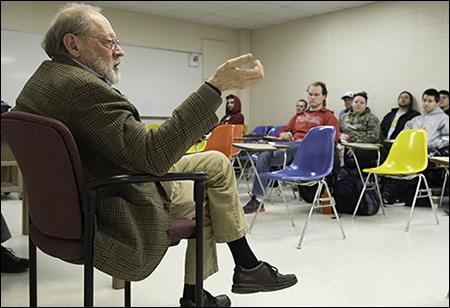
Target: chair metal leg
443	187
199	189
127	294
33	272
379	192
433	206
413	204
285	203
316	200
333	203
362	194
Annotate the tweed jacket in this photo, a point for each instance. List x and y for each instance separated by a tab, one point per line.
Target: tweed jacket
132	221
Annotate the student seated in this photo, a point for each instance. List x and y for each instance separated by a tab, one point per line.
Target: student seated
360	125
233	113
295	130
391	125
394	121
443	101
435	122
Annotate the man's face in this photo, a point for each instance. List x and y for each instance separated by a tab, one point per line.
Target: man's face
301	106
443	102
230	104
348	102
315	97
98	52
428	103
404	100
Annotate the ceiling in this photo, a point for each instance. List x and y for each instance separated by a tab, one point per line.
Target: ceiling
249	15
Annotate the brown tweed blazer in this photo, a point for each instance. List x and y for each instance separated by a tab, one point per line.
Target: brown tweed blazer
132	220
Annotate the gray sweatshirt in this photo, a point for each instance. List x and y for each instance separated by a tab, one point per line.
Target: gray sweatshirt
436	125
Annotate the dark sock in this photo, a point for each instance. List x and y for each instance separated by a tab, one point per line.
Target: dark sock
242	253
189	292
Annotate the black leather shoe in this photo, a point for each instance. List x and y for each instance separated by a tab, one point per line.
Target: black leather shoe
208	301
263	278
13	264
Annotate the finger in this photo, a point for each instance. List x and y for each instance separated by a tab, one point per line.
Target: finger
241	60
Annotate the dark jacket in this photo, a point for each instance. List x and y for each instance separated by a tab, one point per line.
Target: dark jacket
133	221
235	116
388	118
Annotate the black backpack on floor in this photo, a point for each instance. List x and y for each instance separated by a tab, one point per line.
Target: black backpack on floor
346	193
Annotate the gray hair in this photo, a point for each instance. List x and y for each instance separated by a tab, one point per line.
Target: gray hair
71	18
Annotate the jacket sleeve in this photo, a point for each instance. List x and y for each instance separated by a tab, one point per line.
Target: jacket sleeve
331	120
441	142
373	129
107	124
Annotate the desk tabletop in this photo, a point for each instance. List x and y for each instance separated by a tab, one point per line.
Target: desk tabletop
279	145
363	146
255	147
440	160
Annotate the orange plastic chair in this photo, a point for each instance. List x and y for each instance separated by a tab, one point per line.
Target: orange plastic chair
221	140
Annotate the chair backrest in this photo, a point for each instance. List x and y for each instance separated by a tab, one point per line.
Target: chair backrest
221	139
261	130
238	133
273	132
150	126
409	151
316	153
48	158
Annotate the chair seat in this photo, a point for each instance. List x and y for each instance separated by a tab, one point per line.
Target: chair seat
389	170
181	228
289	174
68	250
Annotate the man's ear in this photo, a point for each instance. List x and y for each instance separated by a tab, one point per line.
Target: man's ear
70	42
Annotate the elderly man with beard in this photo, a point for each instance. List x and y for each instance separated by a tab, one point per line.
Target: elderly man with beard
131	238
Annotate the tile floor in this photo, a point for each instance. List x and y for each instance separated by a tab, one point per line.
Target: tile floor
379	264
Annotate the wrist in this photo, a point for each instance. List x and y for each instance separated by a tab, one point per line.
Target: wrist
215	88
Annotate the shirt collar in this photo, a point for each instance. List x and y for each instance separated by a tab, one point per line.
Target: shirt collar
90	70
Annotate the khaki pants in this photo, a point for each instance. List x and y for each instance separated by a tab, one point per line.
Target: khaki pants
224	217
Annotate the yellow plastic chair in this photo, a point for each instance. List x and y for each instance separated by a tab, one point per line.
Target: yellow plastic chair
198	147
150	126
406	160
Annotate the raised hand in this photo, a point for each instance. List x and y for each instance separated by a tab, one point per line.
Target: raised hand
230	75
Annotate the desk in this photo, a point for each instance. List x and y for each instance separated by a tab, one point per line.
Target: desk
364	147
441	161
250	148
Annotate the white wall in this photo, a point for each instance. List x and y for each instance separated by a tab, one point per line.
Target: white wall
381	48
138	29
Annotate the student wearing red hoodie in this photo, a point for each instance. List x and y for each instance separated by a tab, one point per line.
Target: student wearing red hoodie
233	113
296	129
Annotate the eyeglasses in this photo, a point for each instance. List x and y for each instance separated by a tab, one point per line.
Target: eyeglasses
110	43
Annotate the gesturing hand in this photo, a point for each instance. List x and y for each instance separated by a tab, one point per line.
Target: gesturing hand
230	76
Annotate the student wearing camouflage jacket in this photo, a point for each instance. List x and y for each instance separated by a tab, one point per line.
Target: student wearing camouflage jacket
361	126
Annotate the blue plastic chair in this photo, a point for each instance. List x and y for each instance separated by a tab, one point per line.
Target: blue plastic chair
261	130
312	163
273	132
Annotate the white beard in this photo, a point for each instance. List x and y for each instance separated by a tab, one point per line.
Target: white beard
103	69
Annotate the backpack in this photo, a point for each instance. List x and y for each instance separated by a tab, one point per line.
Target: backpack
346	193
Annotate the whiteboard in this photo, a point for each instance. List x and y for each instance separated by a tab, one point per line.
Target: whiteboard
156	81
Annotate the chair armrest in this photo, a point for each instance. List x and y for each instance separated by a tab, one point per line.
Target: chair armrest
144	178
